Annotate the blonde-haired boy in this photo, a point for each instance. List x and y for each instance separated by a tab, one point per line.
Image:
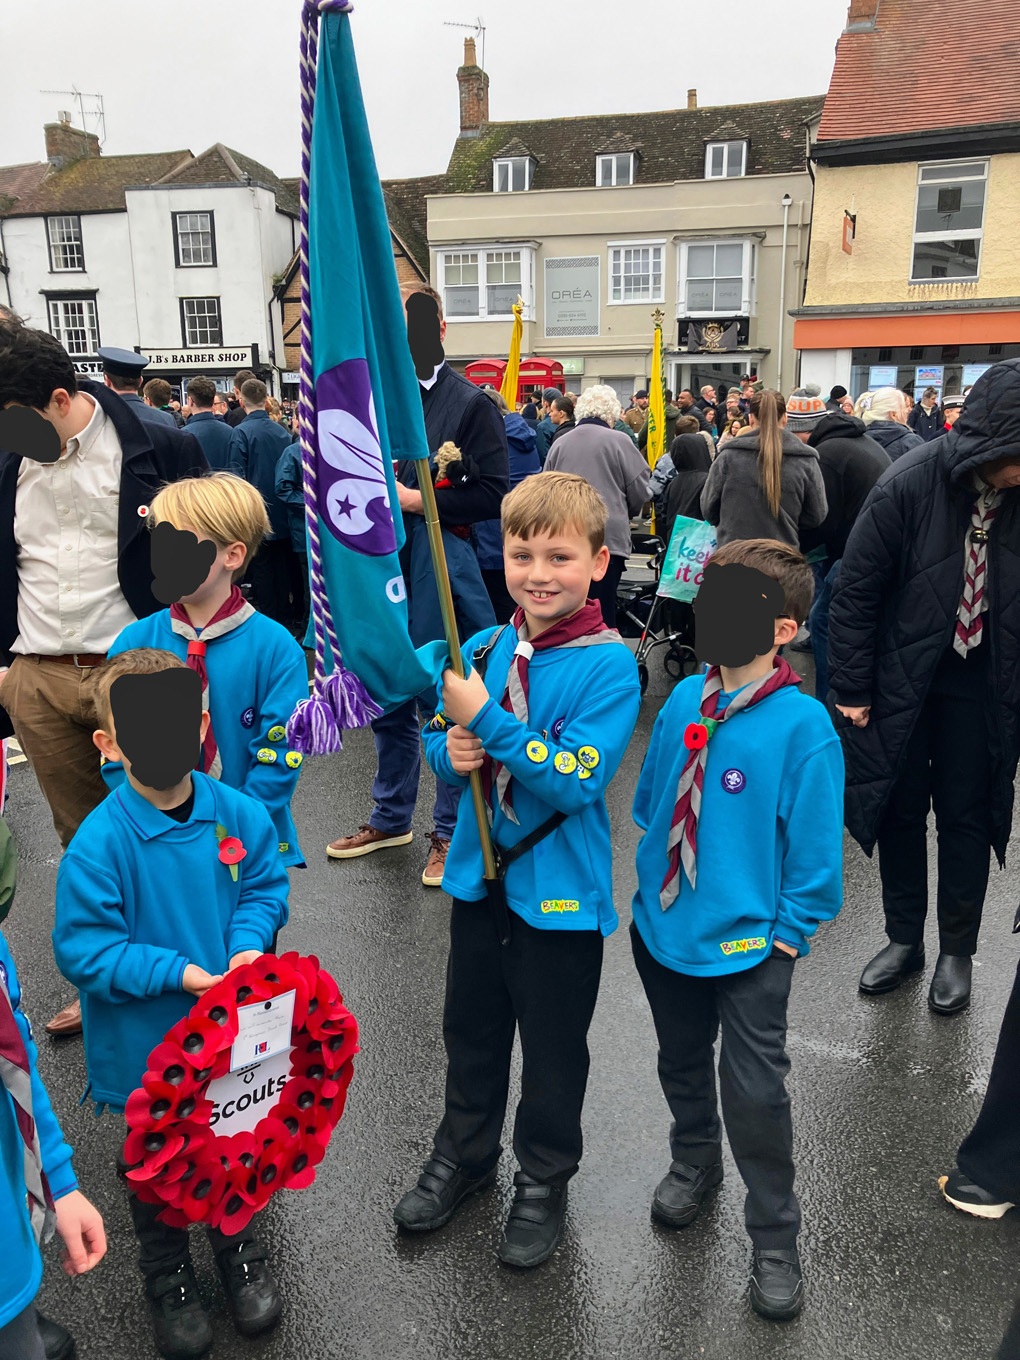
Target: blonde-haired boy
253	671
546	717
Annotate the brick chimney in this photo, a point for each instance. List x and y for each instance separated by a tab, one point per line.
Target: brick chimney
862	16
474	93
692	99
65	143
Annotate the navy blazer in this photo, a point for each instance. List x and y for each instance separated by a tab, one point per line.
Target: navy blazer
152	454
214	436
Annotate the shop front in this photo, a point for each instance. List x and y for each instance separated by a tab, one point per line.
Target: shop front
177	366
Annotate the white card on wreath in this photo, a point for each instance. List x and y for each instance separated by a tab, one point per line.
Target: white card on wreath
263	1030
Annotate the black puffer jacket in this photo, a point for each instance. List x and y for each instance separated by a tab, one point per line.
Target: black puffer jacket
851	463
896	439
896	598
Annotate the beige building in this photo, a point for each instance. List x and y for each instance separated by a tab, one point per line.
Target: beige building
914	276
597	222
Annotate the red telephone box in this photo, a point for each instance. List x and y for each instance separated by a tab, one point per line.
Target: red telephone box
533	377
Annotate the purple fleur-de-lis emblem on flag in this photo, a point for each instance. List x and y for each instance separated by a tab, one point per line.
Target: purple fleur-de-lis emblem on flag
353	493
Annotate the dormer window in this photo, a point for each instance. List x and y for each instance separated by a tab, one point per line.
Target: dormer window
725	160
511	174
614	169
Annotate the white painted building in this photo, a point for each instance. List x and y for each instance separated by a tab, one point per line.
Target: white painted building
171	254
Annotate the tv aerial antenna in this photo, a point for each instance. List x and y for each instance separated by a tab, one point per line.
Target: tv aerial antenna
96	111
478	28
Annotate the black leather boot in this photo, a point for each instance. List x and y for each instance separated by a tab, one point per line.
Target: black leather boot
58	1343
535	1223
891	966
777	1285
950	984
682	1191
442	1188
253	1295
180	1323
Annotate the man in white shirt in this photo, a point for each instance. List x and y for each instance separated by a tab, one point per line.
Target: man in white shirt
74	564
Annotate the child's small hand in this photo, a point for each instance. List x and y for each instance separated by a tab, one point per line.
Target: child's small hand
197	981
80	1226
786	948
463	699
464	749
245	956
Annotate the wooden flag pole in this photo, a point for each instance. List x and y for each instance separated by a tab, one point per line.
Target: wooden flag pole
435	533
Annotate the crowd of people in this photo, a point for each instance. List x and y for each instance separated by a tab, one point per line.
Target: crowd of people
151	694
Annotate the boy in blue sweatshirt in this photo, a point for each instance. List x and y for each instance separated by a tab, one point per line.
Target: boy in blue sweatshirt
27	1218
741	802
147	919
254	672
547	724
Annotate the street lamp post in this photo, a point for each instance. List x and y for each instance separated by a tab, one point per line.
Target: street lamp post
787	202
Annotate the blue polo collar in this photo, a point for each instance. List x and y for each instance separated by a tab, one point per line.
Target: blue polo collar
149	822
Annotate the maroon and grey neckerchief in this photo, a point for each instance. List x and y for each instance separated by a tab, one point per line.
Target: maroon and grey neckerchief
234	611
974	600
682	843
16	1079
586	628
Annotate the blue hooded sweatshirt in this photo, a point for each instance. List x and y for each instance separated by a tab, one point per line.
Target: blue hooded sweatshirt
582	704
22	1268
257	676
769	839
139	897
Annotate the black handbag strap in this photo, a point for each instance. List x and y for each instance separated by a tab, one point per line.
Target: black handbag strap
480	660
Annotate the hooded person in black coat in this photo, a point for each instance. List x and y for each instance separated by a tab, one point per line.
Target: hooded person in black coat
923	721
851	463
693	462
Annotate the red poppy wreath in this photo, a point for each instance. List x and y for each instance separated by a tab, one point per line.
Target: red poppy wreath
201	1173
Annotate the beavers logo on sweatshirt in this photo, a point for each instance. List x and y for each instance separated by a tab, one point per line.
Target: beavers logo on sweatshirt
743	946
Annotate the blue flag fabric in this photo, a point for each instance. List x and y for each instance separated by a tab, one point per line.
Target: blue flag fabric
368	408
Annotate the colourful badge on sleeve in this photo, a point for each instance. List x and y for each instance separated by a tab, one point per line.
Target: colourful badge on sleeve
582	773
537	751
265	756
565	762
293	759
589	757
276	733
734	781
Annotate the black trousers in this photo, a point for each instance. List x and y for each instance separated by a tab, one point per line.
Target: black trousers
162	1248
750	1010
605	590
20	1339
947	766
271	575
544	983
990	1154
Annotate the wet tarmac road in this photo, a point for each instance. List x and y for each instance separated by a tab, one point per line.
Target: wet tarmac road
883	1091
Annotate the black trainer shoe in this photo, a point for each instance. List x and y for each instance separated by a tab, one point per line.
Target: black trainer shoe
535	1223
777	1285
442	1188
58	1343
962	1193
253	1295
180	1323
681	1192
891	966
950	984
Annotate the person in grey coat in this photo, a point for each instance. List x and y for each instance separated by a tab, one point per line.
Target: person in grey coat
765	483
608	460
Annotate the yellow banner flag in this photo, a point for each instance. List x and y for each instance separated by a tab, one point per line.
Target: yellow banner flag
655	447
508	390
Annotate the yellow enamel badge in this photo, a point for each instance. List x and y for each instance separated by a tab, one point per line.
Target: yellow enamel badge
565	762
537	751
276	733
265	756
589	757
293	759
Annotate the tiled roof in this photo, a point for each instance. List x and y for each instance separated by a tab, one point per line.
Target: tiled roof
220	165
407	213
923	67
94	183
672	143
18	180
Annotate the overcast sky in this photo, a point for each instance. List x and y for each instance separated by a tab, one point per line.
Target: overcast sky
193	72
